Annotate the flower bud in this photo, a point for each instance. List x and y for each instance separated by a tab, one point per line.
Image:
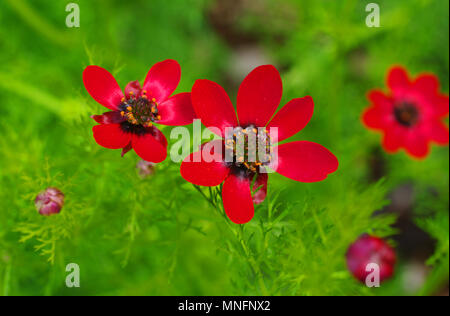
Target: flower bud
369	250
49	202
145	168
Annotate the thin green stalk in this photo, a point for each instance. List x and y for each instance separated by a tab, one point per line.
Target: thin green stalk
238	233
7	279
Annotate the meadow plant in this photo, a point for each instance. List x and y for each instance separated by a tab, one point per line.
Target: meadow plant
133	225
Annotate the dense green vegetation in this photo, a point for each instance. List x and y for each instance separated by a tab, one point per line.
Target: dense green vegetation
158	236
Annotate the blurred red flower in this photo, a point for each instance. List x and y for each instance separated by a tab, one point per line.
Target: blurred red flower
258	98
129	124
411	115
369	249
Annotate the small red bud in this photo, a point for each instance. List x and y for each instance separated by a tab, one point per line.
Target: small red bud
49	202
145	168
369	249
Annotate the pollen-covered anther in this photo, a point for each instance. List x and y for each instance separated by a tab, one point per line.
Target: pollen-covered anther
140	111
255	151
230	143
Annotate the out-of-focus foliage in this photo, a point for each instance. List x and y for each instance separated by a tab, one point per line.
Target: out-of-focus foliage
158	236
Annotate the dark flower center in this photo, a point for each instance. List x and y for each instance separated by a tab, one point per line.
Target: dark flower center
406	114
140	111
249	149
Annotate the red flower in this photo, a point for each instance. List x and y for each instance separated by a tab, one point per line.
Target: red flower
366	250
129	125
410	115
257	101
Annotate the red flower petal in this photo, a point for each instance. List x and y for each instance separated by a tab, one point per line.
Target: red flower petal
162	80
259	96
439	133
149	147
159	136
111	136
203	172
113	117
305	161
133	89
102	86
293	117
177	110
260	185
398	80
373	118
213	106
441	104
427	84
393	138
379	114
380	100
417	146
237	199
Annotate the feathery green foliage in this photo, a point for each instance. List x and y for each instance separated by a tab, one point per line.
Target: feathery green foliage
162	236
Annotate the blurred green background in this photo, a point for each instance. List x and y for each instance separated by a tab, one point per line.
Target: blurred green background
156	236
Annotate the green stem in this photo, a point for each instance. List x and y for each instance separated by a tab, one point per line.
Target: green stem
239	234
7	279
252	262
